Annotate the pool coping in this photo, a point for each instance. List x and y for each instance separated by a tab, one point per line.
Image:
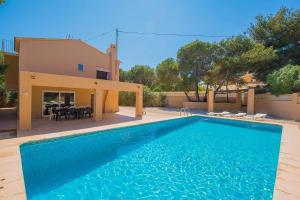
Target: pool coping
287	178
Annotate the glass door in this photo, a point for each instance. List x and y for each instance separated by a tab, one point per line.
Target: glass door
50	99
66	99
56	99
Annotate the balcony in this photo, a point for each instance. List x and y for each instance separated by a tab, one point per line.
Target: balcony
7	46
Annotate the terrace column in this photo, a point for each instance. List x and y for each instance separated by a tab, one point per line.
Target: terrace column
250	101
296	106
111	101
238	100
98	104
210	102
113	105
139	103
25	98
113	63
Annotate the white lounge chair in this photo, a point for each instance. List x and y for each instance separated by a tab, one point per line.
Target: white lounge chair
225	113
228	115
257	116
240	114
260	116
212	114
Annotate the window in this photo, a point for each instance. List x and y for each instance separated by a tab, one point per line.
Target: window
57	99
66	99
51	98
102	75
80	67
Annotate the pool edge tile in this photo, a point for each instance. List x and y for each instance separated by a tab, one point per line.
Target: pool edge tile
288	171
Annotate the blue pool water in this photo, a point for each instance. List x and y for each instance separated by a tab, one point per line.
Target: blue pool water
189	158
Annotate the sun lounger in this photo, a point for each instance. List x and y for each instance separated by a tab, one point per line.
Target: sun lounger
225	113
240	114
257	116
260	116
249	116
212	114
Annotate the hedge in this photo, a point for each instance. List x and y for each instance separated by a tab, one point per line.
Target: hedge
150	98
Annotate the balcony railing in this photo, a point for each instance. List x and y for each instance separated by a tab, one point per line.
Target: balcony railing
7	46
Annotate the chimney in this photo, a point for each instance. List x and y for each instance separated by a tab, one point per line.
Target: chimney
114	64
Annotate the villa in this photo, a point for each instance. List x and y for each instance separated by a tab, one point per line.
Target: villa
160	155
65	72
141	107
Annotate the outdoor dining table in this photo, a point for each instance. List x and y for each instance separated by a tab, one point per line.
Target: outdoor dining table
72	112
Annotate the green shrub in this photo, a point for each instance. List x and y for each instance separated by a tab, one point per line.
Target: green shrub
12	98
127	98
285	81
162	100
150	98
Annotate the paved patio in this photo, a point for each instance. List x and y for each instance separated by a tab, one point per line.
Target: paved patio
126	114
8	122
8	118
11	177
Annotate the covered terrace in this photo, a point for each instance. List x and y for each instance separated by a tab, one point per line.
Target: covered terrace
100	88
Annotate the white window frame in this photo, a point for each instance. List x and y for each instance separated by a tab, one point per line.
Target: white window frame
59	97
102	69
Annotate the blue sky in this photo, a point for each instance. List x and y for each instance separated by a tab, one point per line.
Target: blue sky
87	19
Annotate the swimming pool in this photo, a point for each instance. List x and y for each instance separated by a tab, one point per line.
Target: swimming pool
192	158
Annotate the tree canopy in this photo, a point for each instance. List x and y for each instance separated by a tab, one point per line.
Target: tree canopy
123	75
195	60
230	66
260	60
286	80
142	74
168	74
280	31
270	50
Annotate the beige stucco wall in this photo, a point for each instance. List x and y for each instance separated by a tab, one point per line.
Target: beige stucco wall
236	106
175	99
12	71
82	98
232	107
195	105
178	99
63	56
29	96
111	101
284	106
